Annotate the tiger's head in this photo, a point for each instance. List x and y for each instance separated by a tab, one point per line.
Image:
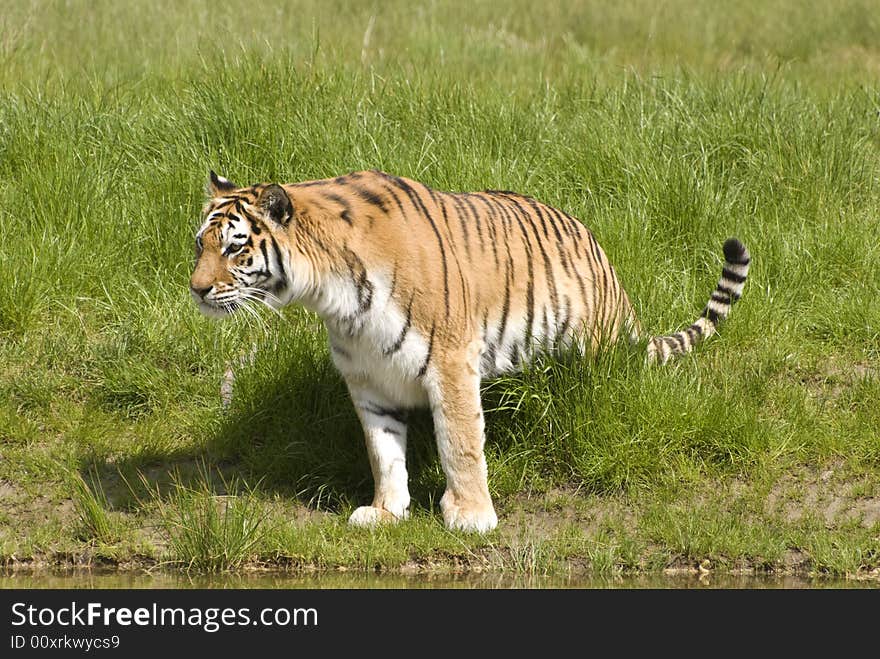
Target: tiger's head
240	248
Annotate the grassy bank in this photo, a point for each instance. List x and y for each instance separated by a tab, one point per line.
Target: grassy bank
665	127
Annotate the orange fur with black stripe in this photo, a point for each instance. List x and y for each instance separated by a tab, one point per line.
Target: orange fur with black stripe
424	293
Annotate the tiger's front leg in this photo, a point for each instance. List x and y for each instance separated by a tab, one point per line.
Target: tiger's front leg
385	433
454	394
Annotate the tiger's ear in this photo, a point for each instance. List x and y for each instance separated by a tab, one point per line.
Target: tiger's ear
218	185
276	204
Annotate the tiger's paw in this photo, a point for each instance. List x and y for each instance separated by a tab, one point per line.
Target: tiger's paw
473	519
370	516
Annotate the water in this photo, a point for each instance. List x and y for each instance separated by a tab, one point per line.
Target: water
344	580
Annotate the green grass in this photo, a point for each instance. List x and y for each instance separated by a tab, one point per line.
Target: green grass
91	506
211	533
665	126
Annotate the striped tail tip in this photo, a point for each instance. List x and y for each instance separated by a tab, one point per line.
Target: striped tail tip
726	293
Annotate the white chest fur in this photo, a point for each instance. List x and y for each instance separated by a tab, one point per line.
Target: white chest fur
379	345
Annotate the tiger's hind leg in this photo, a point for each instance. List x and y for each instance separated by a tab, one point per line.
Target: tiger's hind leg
454	394
385	433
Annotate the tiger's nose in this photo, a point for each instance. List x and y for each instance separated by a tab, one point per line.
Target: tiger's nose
200	293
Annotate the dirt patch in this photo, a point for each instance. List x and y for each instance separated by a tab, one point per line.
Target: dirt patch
543	516
8	492
22	512
829	380
827	494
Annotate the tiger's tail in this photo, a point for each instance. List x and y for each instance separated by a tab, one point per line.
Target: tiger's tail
728	291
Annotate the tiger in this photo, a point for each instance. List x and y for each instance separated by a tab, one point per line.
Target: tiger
424	294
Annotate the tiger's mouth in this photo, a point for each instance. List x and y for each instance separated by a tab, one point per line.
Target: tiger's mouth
229	302
218	309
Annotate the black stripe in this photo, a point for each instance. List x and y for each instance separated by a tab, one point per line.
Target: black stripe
561	223
396	199
571	228
732	276
278	257
721	298
514	354
576	224
465	299
535	205
607	297
682	347
491	221
472	211
379	410
618	292
424	367
659	342
371	198
400	339
265	256
548	267
564	256
420	206
562	327
488	356
438	203
363	285
393	282
545	325
477	218
509	276
530	282
505	307
554	218
595	246
459	207
711	315
734	296
600	279
503	218
345	214
735	252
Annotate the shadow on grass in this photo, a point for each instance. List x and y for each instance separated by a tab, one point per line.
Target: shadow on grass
291	431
